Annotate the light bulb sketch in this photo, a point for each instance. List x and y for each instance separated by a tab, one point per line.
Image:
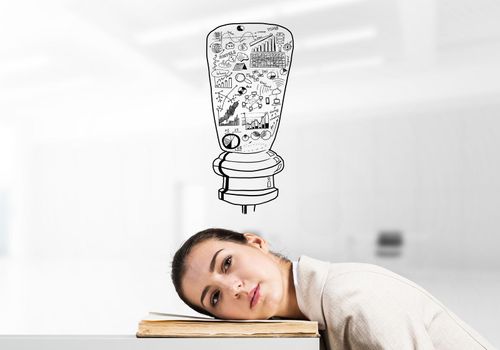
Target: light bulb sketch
248	65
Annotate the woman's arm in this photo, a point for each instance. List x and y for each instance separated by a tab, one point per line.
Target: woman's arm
370	310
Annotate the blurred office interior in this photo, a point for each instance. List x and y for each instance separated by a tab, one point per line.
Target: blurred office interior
390	133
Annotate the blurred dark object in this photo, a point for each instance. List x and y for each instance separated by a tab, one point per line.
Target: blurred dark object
389	243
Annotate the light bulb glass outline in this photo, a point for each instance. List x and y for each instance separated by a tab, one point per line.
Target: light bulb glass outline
237	77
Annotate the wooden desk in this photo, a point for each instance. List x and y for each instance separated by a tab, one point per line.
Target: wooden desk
130	342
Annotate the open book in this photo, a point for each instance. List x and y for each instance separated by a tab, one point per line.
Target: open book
157	324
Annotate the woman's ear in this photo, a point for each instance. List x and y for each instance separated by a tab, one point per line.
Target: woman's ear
256	241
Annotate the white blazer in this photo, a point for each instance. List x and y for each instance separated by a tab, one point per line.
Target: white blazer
366	307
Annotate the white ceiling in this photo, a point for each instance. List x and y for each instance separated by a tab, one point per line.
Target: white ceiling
343	45
331	34
327	32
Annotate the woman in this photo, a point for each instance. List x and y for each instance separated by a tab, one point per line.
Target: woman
229	275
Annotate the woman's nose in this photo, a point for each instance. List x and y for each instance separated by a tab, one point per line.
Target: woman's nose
235	288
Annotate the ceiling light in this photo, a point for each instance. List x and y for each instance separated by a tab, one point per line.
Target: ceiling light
190	63
23	64
337	38
343	65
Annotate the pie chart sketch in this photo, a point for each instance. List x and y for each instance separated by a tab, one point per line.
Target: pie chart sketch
231	141
255	135
266	134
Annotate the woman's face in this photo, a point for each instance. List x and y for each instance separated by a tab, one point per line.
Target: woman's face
235	281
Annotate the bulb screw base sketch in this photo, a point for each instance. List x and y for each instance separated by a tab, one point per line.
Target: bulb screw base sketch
248	179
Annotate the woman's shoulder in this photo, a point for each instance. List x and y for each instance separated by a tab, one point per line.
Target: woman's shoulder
357	280
344	269
347	289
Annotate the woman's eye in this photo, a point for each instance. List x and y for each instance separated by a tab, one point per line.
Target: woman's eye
215	298
227	262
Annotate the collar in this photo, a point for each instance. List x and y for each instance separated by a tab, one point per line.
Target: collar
295	265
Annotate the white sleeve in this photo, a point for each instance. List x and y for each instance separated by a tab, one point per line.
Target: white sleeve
373	311
380	321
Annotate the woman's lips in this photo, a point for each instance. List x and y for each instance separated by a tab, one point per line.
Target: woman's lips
254	296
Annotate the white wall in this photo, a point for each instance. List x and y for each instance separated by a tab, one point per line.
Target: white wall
429	171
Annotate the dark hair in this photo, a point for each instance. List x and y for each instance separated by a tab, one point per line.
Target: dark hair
178	262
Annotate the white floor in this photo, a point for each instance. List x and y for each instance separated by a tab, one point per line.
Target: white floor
109	297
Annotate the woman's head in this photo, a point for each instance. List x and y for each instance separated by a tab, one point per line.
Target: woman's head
230	275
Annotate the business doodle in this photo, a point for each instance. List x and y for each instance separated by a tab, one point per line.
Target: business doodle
248	65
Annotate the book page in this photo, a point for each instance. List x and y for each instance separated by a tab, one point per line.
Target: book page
159	316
